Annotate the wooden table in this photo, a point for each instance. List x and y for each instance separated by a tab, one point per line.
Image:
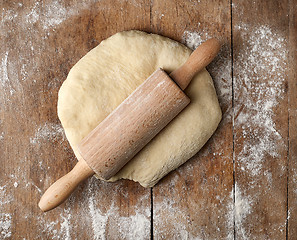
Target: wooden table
242	184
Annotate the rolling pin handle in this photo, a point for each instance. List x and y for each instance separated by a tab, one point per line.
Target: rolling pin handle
199	59
58	192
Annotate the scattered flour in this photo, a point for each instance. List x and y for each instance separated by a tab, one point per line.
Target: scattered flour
175	218
22	22
5	218
49	15
2	135
259	86
193	39
138	225
99	220
294	180
5	196
195	1
9	15
134	226
263	57
58	229
8	76
230	216
243	207
5	81
48	132
289	215
5	224
186	218
265	50
3	69
65	225
168	207
54	14
43	19
33	16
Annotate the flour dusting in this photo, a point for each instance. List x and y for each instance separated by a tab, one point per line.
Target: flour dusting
243	207
8	76
2	135
5	81
99	220
54	13
5	196
230	216
175	217
261	79
65	225
193	39
259	88
5	224
4	71
59	228
139	225
135	226
48	132
5	218
33	16
186	222
33	24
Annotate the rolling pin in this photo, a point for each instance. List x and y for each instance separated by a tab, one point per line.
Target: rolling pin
139	118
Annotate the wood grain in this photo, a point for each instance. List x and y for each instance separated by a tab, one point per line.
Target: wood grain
260	57
241	185
292	101
196	200
41	42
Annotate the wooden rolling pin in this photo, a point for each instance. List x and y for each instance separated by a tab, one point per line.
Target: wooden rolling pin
120	136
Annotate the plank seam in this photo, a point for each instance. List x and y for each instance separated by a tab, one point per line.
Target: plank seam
290	60
233	143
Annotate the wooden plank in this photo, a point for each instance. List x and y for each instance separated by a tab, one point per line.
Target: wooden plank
292	91
40	43
196	200
260	44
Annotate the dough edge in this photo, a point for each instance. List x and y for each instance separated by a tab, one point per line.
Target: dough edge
144	167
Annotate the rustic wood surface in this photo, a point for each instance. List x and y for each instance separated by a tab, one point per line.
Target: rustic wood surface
241	185
292	107
260	80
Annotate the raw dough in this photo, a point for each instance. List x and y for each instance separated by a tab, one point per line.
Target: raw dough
103	78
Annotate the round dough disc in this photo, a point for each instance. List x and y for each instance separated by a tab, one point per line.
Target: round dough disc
106	75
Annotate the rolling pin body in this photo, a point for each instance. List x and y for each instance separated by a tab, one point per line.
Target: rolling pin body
120	136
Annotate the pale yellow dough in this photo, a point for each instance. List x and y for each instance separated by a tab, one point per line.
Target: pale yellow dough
103	78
